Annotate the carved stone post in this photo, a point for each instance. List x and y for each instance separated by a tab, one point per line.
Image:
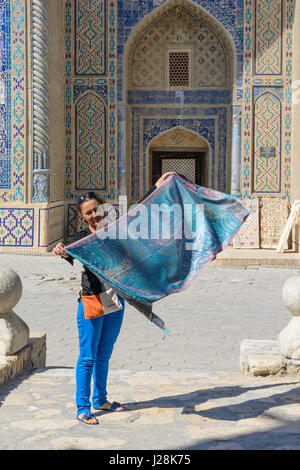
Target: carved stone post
14	333
289	338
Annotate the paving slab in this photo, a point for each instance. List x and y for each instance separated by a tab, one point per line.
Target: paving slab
224	411
185	391
222	307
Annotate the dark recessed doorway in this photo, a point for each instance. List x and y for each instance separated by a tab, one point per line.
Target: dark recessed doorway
190	164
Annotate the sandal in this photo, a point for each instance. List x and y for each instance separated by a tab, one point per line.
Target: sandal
85	416
113	407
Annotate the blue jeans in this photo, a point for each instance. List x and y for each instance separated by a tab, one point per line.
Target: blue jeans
96	341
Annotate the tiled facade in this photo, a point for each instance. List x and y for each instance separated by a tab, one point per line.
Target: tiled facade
118	100
267	101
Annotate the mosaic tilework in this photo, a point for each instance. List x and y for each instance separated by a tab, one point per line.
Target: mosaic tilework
91	107
267	144
147	123
41	188
90	37
130	13
172	32
90	128
68	97
18	103
228	12
13	164
5	148
266	166
112	159
186	97
79	89
287	115
268	37
16	227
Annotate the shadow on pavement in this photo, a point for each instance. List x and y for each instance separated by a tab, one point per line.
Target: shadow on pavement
284	430
280	437
234	412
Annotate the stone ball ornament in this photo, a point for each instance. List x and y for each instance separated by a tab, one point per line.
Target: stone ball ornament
289	337
14	332
10	289
291	295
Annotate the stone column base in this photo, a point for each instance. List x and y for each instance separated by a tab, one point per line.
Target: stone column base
262	358
32	356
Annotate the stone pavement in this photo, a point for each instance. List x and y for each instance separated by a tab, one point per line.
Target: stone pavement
164	412
208	321
183	392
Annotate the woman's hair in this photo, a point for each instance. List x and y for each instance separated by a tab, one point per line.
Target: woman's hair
87	197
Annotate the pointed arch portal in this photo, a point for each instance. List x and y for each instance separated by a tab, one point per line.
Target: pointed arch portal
179	72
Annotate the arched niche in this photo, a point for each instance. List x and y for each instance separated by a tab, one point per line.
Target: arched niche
201	22
170	105
176	145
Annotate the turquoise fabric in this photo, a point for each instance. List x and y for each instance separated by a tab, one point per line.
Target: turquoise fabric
154	259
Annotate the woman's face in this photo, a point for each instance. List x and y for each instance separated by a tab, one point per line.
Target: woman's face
88	211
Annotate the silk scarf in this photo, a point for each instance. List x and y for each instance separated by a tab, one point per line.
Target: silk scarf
161	244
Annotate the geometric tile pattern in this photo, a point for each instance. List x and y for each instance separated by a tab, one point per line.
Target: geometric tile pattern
18	104
287	115
78	90
12	100
90	116
189	97
68	99
178	27
96	34
90	37
172	32
248	235
90	101
16	227
230	13
274	213
267	113
268	37
267	144
147	123
112	152
5	147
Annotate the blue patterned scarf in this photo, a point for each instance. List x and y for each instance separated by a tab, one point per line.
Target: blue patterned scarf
152	252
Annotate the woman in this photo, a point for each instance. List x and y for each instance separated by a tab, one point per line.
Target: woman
97	336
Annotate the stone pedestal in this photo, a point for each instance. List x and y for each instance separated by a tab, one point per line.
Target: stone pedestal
32	356
14	332
281	357
18	351
289	338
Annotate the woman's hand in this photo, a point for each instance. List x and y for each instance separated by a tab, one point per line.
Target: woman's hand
59	250
160	181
